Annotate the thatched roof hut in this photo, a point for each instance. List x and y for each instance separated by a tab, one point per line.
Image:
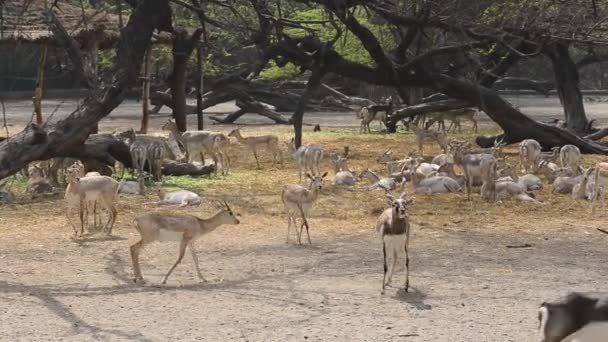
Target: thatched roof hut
25	21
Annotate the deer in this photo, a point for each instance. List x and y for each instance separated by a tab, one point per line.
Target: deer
424	136
569	157
199	142
387	184
475	167
37	184
344	176
583	190
373	112
454	116
298	201
572	317
552	156
308	157
269	142
434	184
488	172
529	154
83	190
175	227
393	226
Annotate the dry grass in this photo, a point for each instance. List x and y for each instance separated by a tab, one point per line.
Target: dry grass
256	192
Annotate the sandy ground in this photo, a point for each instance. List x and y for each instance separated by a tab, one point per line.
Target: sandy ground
467	285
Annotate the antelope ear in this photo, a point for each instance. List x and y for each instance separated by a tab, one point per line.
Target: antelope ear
409	201
324	175
308	176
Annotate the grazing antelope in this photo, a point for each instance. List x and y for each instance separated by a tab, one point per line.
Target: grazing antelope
567	319
308	157
569	157
84	190
394	229
174	227
298	201
424	136
269	142
529	154
199	142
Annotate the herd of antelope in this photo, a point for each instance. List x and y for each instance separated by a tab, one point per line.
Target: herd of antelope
483	170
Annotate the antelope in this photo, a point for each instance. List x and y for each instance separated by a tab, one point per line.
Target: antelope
6	197
424	136
181	197
529	154
394	229
488	171
569	156
387	184
174	227
565	184
298	201
475	167
144	149
529	182
370	113
83	190
584	189
599	188
434	184
454	116
308	157
550	170
199	142
567	318
552	156
37	184
344	176
591	332
269	142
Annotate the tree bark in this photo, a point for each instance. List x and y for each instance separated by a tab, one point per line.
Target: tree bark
52	139
182	49
145	98
314	81
199	87
40	83
517	83
568	87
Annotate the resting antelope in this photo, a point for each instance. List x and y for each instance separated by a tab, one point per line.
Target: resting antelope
394	229
264	142
174	227
298	201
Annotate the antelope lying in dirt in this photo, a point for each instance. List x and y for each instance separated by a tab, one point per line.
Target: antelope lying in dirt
307	156
182	198
93	189
201	142
424	136
433	184
298	201
344	176
574	318
174	227
394	229
264	142
529	154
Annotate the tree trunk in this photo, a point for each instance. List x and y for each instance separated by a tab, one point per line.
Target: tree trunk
568	87
298	116
51	140
182	49
145	98
40	83
199	87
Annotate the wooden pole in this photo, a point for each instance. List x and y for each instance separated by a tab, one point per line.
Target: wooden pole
146	91
40	84
199	86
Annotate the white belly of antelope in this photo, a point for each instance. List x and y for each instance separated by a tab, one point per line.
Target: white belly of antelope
395	244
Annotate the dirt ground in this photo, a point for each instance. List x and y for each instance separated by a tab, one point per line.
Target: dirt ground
467	284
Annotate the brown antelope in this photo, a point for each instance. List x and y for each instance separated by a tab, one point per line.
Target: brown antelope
393	226
298	201
174	227
264	142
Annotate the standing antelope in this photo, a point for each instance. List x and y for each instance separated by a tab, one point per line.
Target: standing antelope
529	154
308	157
199	142
424	136
394	229
269	142
298	201
90	189
174	227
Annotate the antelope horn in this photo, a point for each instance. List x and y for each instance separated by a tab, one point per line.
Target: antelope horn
227	206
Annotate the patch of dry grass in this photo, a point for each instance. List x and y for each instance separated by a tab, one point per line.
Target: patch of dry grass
256	194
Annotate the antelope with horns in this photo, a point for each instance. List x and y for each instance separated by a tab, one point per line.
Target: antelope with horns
263	142
298	201
174	227
394	229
